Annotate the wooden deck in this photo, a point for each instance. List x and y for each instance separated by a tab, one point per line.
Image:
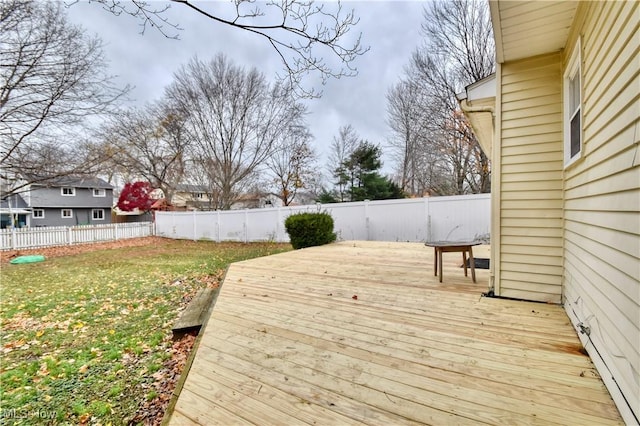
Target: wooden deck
363	333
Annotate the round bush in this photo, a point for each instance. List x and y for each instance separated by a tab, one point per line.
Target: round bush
310	229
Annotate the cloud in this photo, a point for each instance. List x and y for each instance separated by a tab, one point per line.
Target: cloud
390	28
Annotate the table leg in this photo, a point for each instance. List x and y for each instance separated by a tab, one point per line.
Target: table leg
435	261
464	262
440	263
472	262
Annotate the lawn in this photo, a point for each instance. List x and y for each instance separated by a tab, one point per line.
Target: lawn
86	338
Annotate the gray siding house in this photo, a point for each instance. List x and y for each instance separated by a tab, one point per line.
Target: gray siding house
14	207
70	201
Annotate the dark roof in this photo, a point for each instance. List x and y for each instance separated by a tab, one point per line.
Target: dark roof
16	202
190	188
71	181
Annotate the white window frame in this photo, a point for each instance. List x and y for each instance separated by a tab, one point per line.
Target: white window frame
62	215
574	68
99	192
93	214
40	214
72	191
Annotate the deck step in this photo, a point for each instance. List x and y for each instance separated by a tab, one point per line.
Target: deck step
196	313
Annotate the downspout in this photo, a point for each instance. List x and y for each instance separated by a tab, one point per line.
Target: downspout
469	109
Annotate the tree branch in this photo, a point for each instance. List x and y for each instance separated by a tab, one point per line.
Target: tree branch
298	30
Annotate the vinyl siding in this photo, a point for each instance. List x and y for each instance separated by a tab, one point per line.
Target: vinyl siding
602	195
531	173
52	202
53	217
41	197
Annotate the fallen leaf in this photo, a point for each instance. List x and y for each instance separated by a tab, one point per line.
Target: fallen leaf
354	297
44	370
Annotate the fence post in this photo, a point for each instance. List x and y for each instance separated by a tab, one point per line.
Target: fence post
115	232
218	239
366	219
69	237
14	243
279	226
427	217
195	231
246	225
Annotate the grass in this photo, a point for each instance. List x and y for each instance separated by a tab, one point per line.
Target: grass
82	336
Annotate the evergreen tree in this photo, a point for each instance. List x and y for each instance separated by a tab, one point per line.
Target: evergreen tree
359	175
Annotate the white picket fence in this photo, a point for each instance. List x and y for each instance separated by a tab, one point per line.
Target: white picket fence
50	236
456	218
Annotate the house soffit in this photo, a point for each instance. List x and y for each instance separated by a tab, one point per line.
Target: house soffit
529	28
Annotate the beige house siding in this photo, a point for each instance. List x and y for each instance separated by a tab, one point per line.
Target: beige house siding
602	195
531	172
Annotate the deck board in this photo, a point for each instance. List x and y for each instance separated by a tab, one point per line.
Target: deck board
287	343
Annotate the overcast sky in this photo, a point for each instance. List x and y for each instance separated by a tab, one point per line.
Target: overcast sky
147	62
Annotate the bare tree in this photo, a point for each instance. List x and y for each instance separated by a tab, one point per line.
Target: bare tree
51	81
407	119
292	165
234	119
342	146
149	143
460	31
415	141
423	112
300	32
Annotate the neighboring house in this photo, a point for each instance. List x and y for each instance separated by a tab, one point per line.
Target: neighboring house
14	212
256	200
68	201
565	107
197	197
303	198
191	197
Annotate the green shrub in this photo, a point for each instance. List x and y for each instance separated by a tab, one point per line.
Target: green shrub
310	229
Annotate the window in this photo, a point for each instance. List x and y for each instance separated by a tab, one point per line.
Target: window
68	192
573	108
199	195
99	192
97	214
38	214
67	213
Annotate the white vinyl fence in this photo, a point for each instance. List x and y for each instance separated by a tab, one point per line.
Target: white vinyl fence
49	236
456	218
